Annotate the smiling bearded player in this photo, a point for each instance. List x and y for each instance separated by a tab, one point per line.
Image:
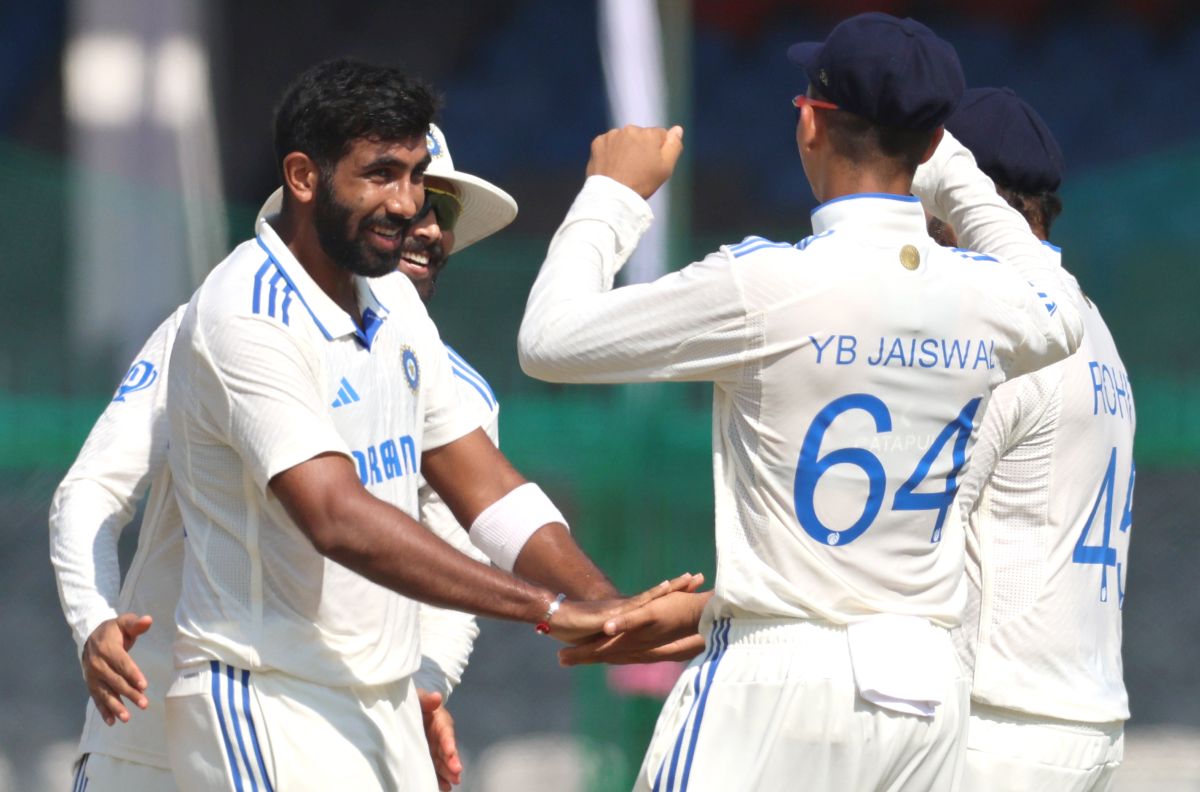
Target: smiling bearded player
124	456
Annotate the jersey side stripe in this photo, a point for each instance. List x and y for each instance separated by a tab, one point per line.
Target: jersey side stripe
683	728
237	729
723	640
81	775
258	755
215	673
467	379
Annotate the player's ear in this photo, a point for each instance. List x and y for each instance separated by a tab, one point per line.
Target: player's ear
933	144
807	130
300	177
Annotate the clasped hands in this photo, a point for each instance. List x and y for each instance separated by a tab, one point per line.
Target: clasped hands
659	624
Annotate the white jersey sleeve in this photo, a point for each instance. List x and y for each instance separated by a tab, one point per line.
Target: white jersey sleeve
265	385
100	493
688	325
953	188
448	636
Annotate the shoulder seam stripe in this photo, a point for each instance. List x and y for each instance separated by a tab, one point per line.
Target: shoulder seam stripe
456	360
482	393
460	360
750	240
258	276
764	246
279	292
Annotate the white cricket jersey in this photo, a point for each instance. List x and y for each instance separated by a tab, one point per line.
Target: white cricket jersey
1049	497
125	454
850	370
268	372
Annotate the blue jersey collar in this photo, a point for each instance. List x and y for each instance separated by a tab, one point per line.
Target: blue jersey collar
330	319
872	212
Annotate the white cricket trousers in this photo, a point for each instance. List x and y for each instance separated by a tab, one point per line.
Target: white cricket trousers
97	772
229	729
1009	751
772	705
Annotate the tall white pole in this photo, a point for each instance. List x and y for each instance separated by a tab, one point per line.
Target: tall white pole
632	54
146	217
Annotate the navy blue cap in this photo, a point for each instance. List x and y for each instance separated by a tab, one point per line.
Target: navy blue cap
1010	141
895	72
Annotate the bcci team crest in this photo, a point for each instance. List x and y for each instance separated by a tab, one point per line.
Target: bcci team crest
412	369
141	376
433	144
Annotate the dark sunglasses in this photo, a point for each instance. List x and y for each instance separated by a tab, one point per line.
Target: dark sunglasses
446	207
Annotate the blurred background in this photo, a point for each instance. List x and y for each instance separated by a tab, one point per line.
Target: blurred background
135	149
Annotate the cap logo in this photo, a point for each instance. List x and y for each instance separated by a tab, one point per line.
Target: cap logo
823	76
431	143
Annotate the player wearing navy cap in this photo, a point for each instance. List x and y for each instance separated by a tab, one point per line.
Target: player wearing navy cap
1049	496
849	372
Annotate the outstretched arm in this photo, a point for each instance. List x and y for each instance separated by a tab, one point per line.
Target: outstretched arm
124	451
688	325
347	524
472	475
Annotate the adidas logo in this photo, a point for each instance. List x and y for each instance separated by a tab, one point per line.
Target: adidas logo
346	395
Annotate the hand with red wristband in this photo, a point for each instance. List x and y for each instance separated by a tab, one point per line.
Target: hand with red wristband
573	621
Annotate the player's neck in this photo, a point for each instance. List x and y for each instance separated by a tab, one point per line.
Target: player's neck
337	282
838	182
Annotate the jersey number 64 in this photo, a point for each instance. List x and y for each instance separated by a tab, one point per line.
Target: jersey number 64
811	467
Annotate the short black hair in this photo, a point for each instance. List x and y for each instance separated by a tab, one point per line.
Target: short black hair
864	141
334	103
1039	209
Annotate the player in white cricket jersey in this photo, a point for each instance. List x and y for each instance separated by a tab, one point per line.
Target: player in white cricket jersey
125	454
1049	497
850	371
307	391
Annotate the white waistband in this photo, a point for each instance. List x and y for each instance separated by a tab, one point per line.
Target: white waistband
774	631
1002	715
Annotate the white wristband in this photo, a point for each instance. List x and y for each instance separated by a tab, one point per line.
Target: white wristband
503	528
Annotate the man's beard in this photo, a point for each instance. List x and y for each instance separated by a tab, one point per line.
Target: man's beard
332	222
